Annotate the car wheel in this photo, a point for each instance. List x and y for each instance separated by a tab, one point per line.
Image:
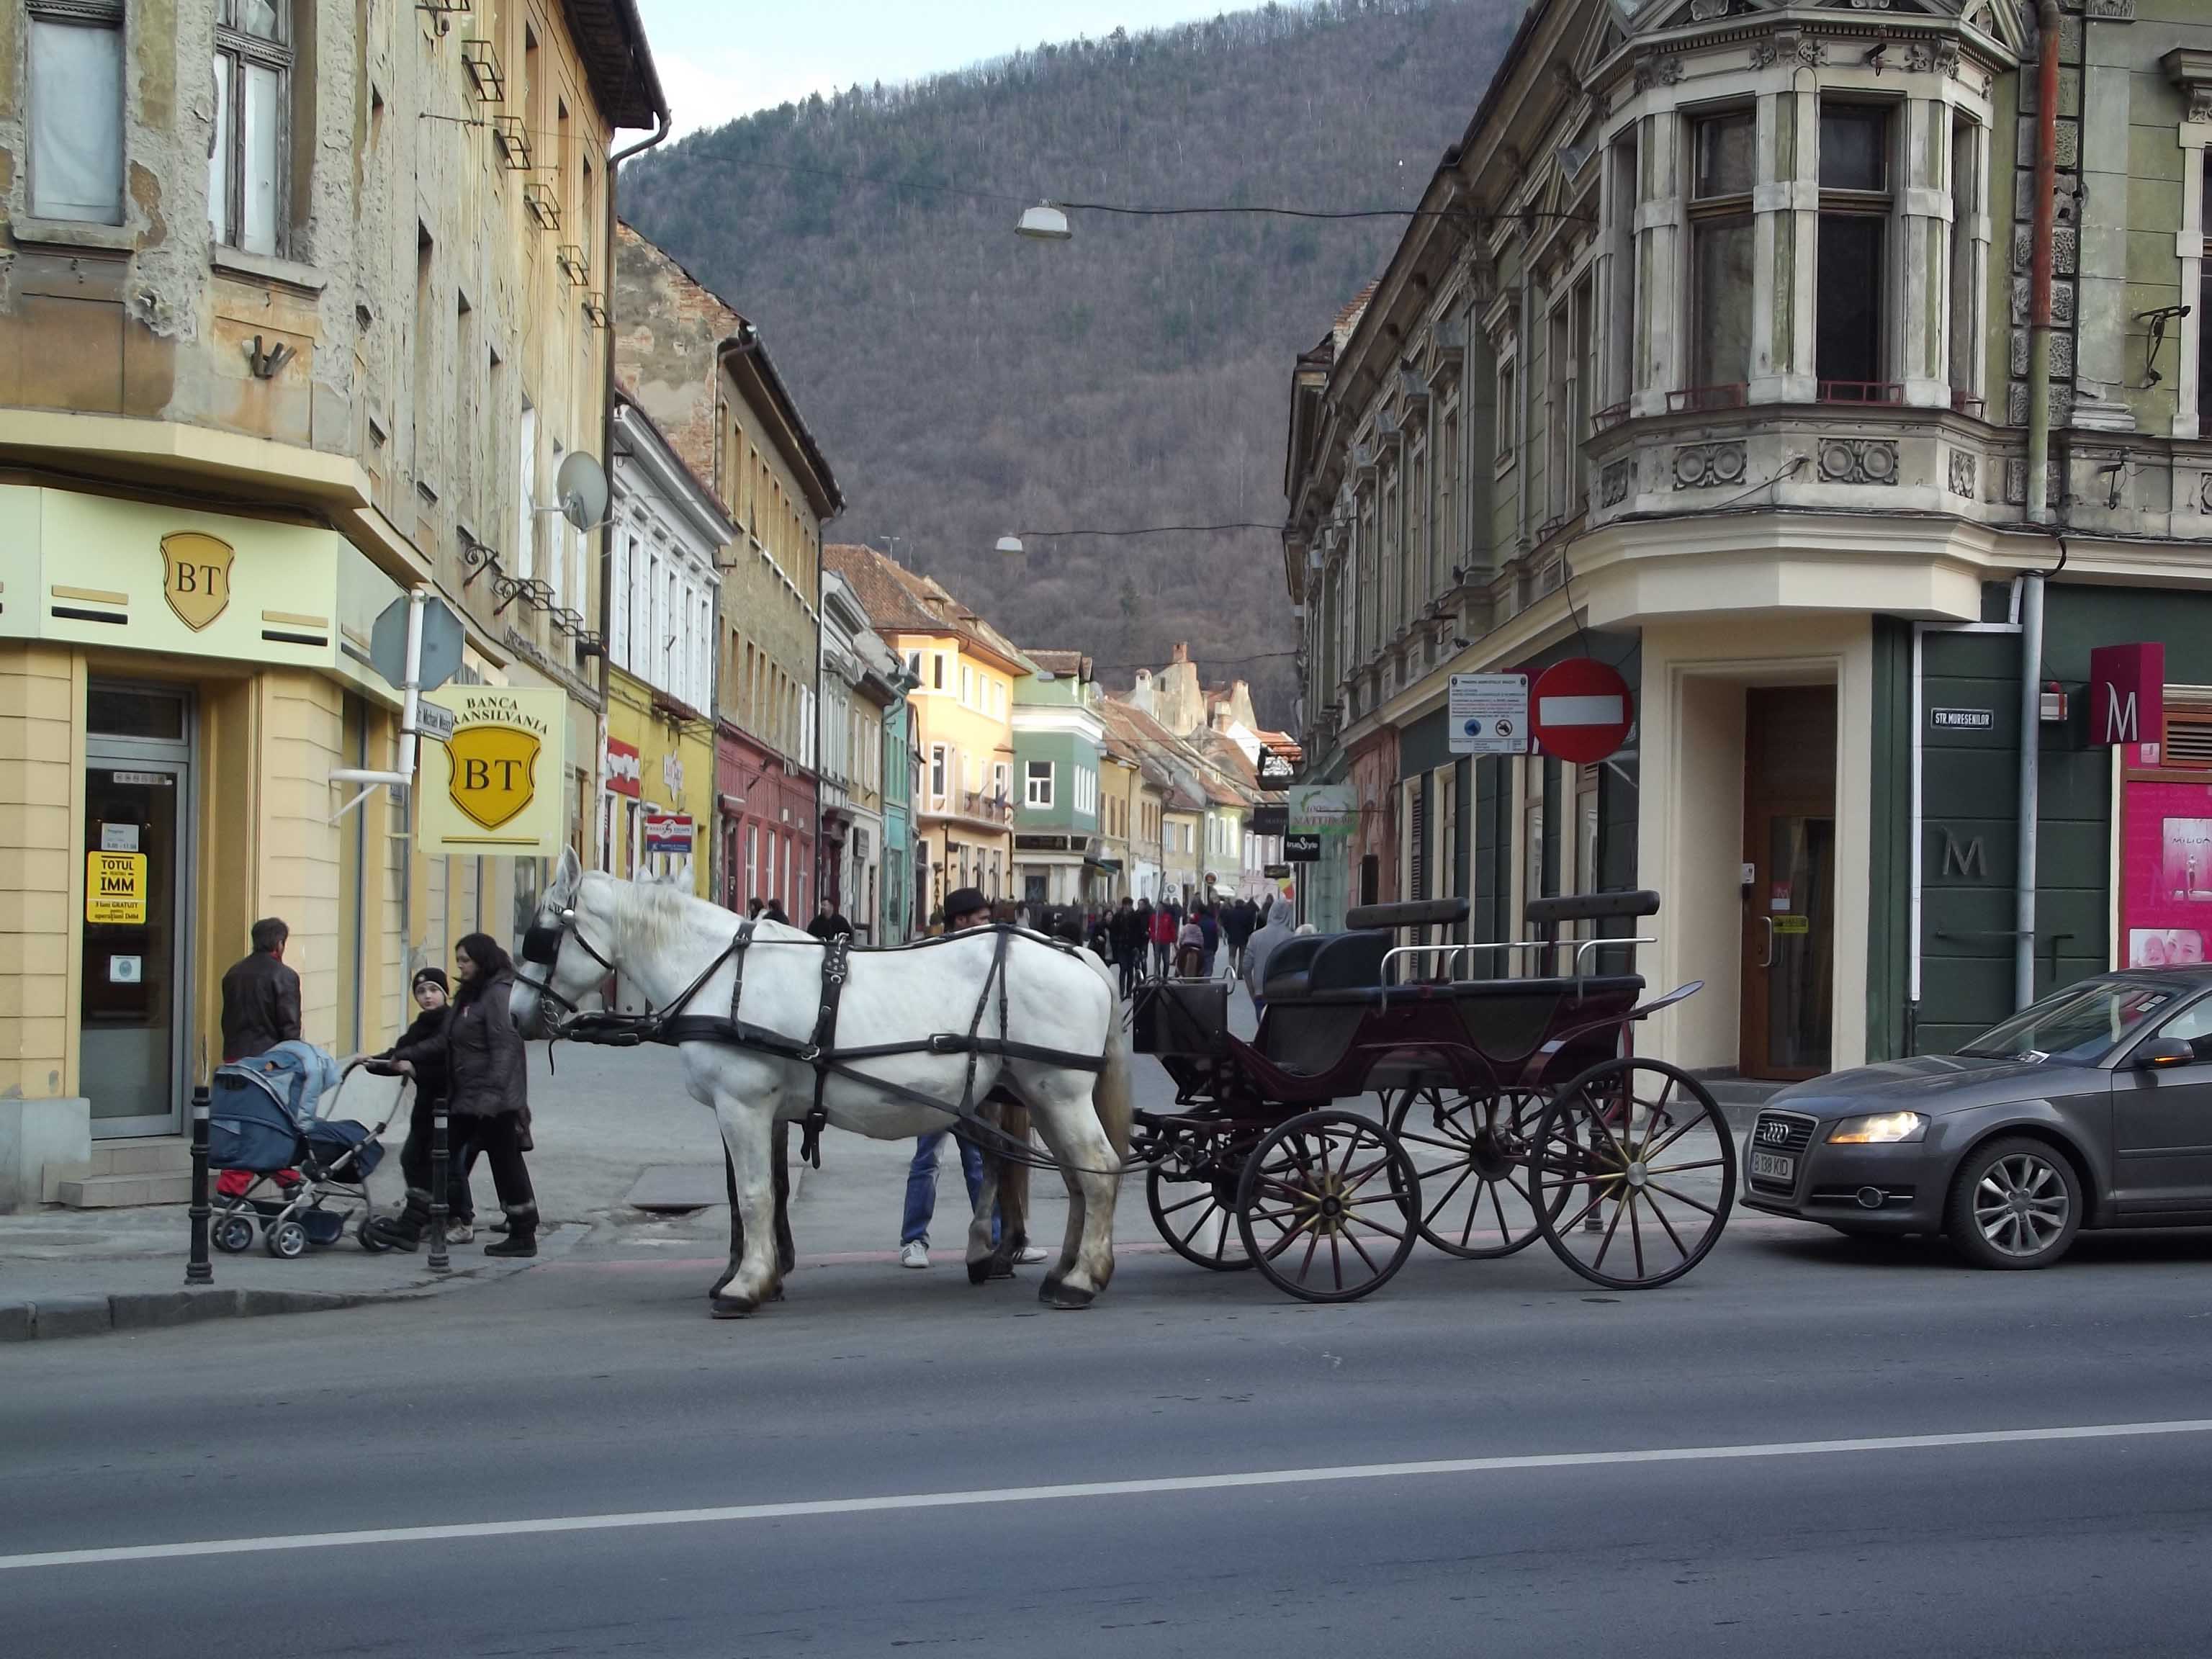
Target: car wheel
2013	1204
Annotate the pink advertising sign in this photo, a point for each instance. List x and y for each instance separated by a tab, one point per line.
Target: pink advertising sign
2166	873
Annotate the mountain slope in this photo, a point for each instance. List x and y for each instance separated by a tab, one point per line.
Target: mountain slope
966	382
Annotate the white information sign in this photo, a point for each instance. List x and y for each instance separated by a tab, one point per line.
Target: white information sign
1489	714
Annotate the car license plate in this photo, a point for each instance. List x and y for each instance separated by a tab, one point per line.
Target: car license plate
1772	1166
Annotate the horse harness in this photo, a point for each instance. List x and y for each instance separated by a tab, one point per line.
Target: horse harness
541	945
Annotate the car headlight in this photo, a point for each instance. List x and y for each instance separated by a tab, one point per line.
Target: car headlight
1881	1129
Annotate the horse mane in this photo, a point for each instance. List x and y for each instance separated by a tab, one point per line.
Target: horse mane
656	917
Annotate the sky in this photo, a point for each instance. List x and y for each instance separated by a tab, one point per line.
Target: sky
720	59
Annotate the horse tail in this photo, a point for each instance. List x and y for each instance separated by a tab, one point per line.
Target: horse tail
1110	1097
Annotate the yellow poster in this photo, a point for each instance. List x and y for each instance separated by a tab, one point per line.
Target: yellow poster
115	889
495	787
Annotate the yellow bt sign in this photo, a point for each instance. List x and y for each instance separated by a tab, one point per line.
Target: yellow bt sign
496	786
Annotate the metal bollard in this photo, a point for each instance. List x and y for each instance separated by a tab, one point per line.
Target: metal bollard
198	1269
439	1155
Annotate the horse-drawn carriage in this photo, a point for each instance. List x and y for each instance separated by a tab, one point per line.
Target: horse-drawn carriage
1510	1109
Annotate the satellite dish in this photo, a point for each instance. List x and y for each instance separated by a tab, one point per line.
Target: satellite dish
580	488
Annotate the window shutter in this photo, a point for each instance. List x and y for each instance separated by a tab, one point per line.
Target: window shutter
2188	737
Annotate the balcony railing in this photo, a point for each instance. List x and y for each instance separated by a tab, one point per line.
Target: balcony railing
1697	400
1860	392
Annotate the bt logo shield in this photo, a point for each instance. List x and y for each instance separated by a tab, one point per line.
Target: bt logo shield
494	772
195	576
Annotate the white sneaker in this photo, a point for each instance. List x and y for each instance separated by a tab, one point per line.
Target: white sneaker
459	1232
914	1253
1032	1253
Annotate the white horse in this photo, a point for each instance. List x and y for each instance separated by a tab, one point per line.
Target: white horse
660	939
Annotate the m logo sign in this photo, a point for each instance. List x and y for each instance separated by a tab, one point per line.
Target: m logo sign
494	772
195	576
2127	694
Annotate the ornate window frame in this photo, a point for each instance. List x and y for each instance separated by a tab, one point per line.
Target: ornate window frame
2191	75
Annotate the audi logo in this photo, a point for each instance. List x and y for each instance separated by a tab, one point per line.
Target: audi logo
1774	1134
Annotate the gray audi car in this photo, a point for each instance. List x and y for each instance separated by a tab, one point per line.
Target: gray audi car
2091	1109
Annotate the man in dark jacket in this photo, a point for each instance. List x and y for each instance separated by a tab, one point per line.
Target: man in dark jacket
260	996
1236	926
830	923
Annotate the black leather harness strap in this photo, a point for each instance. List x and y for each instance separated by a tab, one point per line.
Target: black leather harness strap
835	969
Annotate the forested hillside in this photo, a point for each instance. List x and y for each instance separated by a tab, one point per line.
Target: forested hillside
966	382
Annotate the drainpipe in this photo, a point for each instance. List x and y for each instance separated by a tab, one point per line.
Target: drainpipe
607	411
2038	486
2039	279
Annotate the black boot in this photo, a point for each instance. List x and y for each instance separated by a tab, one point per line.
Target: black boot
404	1231
521	1234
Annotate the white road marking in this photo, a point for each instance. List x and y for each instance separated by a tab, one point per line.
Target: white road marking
1087	1489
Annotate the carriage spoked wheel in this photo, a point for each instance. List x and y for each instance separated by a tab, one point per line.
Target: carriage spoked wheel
1191	1194
1641	1148
1470	1153
1328	1206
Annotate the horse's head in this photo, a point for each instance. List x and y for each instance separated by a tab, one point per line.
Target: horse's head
565	951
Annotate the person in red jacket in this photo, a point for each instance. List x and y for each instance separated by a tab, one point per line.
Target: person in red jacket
1165	928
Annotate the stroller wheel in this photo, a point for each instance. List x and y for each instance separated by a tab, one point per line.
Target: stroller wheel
367	1234
287	1241
233	1233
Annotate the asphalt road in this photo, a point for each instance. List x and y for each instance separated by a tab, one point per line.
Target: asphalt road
597	1386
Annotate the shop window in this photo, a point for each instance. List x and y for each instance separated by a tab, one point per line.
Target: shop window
253	108
1850	286
1723	158
75	83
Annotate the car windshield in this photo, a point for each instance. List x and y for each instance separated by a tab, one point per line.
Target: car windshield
2078	1026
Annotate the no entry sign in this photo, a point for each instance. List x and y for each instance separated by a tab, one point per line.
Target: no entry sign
1579	710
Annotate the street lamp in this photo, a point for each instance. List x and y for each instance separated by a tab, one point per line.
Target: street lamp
1044	223
1011	546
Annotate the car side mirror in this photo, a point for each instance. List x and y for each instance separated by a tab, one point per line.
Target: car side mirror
2160	1053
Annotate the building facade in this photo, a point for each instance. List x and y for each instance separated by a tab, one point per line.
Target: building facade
703	373
902	764
278	349
962	705
1717	370
1060	853
666	537
861	679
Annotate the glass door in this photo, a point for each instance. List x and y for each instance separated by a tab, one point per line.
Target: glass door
1789	866
131	1004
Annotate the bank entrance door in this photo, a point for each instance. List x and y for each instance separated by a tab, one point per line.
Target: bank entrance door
134	1002
1789	906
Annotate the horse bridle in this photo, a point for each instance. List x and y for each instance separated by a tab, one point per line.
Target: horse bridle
541	945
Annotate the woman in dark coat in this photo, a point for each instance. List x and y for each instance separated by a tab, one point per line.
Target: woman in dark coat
488	1084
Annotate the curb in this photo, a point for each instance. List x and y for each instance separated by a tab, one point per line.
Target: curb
51	1317
147	1311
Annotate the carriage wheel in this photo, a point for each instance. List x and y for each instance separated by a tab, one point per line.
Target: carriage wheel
1639	1148
1471	1153
1192	1196
1328	1206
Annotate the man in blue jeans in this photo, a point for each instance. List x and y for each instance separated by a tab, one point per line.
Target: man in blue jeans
964	907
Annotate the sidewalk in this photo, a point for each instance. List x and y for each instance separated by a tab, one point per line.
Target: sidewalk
604	1117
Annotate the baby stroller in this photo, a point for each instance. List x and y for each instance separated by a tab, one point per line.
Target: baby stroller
298	1174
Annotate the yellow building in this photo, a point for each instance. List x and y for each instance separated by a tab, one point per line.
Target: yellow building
963	713
238	423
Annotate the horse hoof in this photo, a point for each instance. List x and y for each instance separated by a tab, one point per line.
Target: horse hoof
735	1307
1051	1283
723	1283
979	1271
1058	1295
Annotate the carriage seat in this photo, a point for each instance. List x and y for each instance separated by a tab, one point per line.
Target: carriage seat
1326	962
